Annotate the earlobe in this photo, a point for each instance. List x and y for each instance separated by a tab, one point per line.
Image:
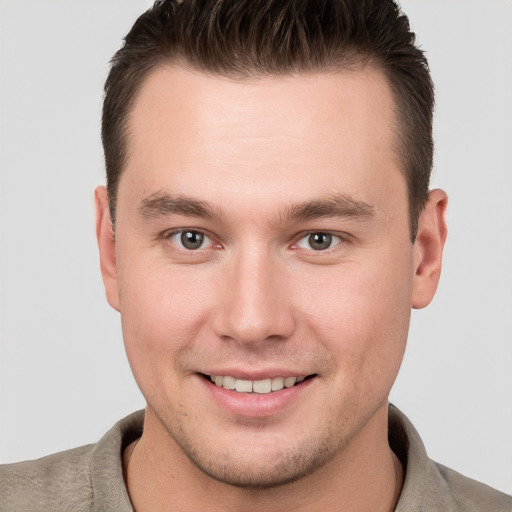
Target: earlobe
428	249
106	246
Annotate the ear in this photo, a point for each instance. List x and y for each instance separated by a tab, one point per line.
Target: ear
428	249
107	246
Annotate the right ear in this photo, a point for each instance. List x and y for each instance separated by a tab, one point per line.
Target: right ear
107	246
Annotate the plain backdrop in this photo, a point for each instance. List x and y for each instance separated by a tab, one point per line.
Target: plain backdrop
64	379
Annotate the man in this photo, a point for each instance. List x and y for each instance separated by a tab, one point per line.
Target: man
265	231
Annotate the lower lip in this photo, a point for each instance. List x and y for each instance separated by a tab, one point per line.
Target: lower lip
255	405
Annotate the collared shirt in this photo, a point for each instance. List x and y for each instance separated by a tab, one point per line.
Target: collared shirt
90	478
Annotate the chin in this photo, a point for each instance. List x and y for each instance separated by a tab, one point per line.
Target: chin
260	469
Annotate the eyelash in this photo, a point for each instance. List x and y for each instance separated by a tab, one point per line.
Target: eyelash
169	235
334	238
338	239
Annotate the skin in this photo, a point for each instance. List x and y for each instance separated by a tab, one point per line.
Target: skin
257	298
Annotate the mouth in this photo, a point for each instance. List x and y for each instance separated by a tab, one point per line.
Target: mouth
262	387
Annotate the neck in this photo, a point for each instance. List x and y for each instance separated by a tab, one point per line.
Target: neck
365	475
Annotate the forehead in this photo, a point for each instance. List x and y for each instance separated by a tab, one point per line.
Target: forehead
188	127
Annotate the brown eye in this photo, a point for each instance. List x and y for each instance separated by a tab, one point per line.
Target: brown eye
191	239
320	241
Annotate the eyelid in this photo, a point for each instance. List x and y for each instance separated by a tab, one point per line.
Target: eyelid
170	233
341	239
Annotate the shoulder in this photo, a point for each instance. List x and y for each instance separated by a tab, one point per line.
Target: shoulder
61	481
432	487
83	479
468	494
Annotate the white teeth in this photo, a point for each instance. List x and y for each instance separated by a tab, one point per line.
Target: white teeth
277	383
289	382
228	382
255	386
262	386
243	386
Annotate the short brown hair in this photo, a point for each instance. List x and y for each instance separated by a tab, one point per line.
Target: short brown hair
251	38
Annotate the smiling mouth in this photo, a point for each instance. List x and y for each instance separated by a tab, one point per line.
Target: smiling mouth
261	387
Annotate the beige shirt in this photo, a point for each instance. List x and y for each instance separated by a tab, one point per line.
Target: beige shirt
90	478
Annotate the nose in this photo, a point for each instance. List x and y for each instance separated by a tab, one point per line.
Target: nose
255	303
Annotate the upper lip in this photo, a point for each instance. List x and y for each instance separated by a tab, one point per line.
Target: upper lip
255	375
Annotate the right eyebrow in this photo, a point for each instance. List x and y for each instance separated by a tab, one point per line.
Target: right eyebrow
161	204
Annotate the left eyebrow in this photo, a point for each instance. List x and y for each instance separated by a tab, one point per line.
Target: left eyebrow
338	205
162	204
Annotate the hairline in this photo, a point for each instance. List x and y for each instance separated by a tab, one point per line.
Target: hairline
354	61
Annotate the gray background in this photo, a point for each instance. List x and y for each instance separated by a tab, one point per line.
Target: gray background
64	379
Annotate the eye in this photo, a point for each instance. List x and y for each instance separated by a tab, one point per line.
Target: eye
318	241
190	240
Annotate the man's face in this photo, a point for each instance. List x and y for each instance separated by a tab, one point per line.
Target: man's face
262	234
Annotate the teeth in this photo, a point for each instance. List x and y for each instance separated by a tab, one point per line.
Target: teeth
289	382
243	386
255	386
228	382
277	383
262	386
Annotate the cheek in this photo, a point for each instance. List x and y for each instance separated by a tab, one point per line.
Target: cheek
362	315
162	311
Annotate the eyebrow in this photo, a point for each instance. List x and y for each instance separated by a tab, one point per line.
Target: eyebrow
336	205
162	204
